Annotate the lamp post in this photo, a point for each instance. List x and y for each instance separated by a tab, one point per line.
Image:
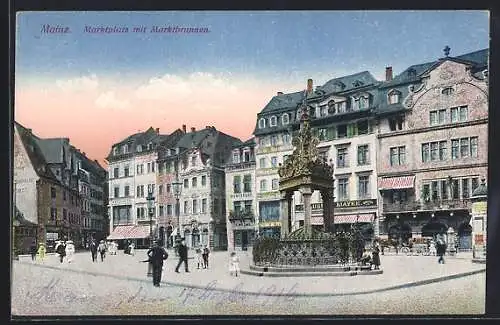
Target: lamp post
151	205
177	188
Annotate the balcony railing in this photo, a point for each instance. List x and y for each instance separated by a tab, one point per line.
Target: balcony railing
241	215
457	204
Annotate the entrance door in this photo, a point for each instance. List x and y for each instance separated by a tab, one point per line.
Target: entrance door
244	240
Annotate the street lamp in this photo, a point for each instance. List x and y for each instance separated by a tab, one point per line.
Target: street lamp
151	205
177	188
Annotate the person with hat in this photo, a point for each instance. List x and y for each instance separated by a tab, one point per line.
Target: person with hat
93	250
61	250
156	256
183	256
102	250
41	252
70	250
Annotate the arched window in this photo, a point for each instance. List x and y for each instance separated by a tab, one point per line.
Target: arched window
331	107
285	119
262	123
394	96
273	121
139	148
447	91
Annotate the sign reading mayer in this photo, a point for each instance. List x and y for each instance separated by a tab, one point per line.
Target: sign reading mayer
356	203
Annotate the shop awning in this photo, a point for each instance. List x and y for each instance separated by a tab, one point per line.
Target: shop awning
315	220
395	183
120	232
138	232
352	218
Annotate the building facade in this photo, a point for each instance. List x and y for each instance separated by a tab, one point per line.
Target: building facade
433	146
241	197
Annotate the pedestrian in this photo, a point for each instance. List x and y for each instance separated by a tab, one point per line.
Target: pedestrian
156	256
132	248
234	264
205	254
441	247
70	250
183	256
33	251
41	252
376	255
102	250
199	256
61	250
432	248
93	250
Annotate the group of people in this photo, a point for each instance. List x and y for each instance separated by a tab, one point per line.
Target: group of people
98	248
65	249
40	251
372	259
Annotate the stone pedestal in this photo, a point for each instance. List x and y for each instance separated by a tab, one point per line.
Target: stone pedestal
307	193
284	215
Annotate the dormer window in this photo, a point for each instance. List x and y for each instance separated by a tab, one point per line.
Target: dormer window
125	148
273	121
394	96
412	73
357	83
150	146
193	161
331	107
341	107
338	86
236	157
262	123
285	119
323	111
167	153
139	148
115	151
447	91
364	102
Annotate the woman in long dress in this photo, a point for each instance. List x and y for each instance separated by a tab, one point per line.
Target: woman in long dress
70	251
41	252
376	255
234	264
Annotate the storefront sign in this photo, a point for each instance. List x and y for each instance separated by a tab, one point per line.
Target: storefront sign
269	224
356	203
479	208
52	236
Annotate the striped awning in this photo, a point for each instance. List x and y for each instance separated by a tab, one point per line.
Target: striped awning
138	232
120	232
352	218
394	183
315	220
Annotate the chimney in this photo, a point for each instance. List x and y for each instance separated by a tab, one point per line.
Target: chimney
83	153
184	128
157	130
280	93
207	127
388	74
193	129
309	86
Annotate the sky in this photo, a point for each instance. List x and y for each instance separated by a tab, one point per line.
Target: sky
97	88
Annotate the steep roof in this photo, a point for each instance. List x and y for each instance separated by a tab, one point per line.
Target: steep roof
280	102
51	149
35	154
348	83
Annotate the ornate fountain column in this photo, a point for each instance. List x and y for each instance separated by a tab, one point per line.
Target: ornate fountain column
284	213
328	222
307	193
290	204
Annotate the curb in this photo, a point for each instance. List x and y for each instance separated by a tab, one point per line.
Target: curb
326	294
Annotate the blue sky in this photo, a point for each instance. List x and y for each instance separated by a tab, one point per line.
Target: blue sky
275	45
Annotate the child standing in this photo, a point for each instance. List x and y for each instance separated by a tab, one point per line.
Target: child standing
234	264
41	252
199	256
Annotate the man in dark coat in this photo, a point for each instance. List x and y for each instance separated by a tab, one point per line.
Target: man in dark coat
93	250
441	246
33	251
183	256
61	250
156	256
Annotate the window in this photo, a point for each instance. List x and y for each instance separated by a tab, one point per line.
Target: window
262	162
274	140
473	147
398	156
394	97
341	107
169	210
459	114
127	191
454	149
273	121
237	184
275	184
286	138
153	167
161	168
149	168
285	119
65	214
323	111
434	191
343	186
117	191
464	147
160	189
322	156
186	183
362	127
203	205
363	158
434	151
195	206
115	151
185	207
116	172
426	193
161	211
64	195
342	158
169	187
263	185
193	161
322	134
442	116
125	148
194	182
444	190
247	183
140	169
203	180
274	161
465	188
447	91
126	171
262	142
141	213
474	183
442	150
342	131
53	192
454	189
364	102
363	187
53	214
396	124
236	157
426	152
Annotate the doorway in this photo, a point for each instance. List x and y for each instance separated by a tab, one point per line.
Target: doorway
244	240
